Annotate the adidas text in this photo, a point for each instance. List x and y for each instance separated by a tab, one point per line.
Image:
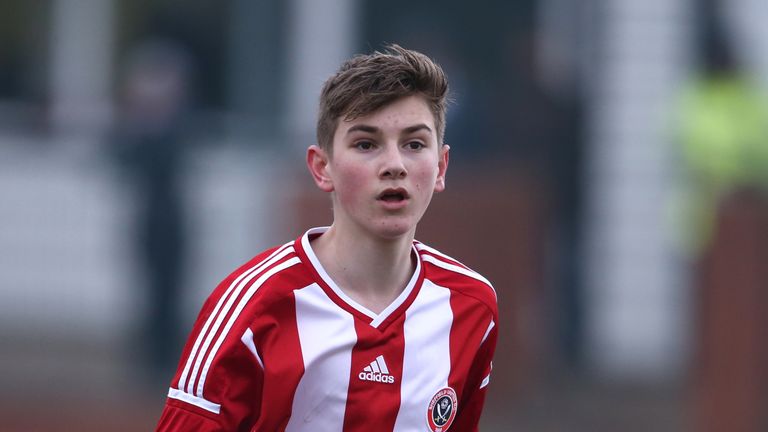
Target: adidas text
378	377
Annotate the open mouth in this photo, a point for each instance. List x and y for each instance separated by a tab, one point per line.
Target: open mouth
393	195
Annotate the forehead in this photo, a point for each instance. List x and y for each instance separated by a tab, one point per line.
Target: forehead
399	114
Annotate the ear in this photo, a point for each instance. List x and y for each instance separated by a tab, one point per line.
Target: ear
442	167
317	162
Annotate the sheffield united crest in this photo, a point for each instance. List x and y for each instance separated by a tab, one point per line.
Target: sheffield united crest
442	410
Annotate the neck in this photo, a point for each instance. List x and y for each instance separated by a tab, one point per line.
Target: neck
371	271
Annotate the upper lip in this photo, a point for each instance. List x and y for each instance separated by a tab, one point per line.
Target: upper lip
394	191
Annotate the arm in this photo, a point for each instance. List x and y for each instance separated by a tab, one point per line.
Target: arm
473	396
214	389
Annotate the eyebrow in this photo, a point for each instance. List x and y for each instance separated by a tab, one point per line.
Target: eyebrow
415	128
362	128
374	129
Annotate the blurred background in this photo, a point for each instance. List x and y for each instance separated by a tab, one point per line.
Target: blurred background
608	173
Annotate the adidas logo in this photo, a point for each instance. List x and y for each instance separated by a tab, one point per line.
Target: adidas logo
377	371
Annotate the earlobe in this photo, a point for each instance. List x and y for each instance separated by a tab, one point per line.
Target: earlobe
442	167
317	162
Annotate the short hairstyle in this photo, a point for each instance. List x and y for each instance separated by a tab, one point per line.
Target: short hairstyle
365	83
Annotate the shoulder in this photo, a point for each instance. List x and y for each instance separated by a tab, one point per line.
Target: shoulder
450	273
266	277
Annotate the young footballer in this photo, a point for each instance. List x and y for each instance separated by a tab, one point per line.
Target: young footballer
356	326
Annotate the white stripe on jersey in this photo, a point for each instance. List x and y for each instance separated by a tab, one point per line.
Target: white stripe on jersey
321	396
457	269
194	400
421	246
486	380
236	313
250	273
488	331
427	359
248	341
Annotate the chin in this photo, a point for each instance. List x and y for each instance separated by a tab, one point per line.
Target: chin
393	230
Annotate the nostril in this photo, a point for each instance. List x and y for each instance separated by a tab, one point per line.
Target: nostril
394	172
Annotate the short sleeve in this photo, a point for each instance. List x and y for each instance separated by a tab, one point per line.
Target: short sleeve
217	385
473	397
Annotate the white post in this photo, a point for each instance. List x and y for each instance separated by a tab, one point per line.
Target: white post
322	35
745	23
81	65
636	307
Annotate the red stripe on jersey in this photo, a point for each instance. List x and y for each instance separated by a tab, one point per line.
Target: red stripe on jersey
470	322
373	398
283	362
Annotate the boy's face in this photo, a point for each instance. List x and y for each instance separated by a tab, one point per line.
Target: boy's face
384	169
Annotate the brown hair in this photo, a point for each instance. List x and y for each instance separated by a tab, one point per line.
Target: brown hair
365	83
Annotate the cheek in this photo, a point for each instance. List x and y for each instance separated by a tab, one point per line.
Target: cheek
424	180
349	183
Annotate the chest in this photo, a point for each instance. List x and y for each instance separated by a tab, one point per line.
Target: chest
351	371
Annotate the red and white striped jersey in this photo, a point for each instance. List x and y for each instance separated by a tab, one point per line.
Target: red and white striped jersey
279	347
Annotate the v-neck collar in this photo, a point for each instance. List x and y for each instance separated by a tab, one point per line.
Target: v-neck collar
398	306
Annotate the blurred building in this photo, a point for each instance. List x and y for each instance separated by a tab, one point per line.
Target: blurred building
564	163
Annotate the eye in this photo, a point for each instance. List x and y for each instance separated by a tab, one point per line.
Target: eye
364	145
415	145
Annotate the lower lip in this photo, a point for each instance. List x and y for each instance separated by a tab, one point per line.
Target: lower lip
394	205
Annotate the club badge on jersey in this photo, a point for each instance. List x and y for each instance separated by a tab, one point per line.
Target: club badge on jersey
442	410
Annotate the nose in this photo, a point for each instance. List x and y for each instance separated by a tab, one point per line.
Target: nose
393	166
